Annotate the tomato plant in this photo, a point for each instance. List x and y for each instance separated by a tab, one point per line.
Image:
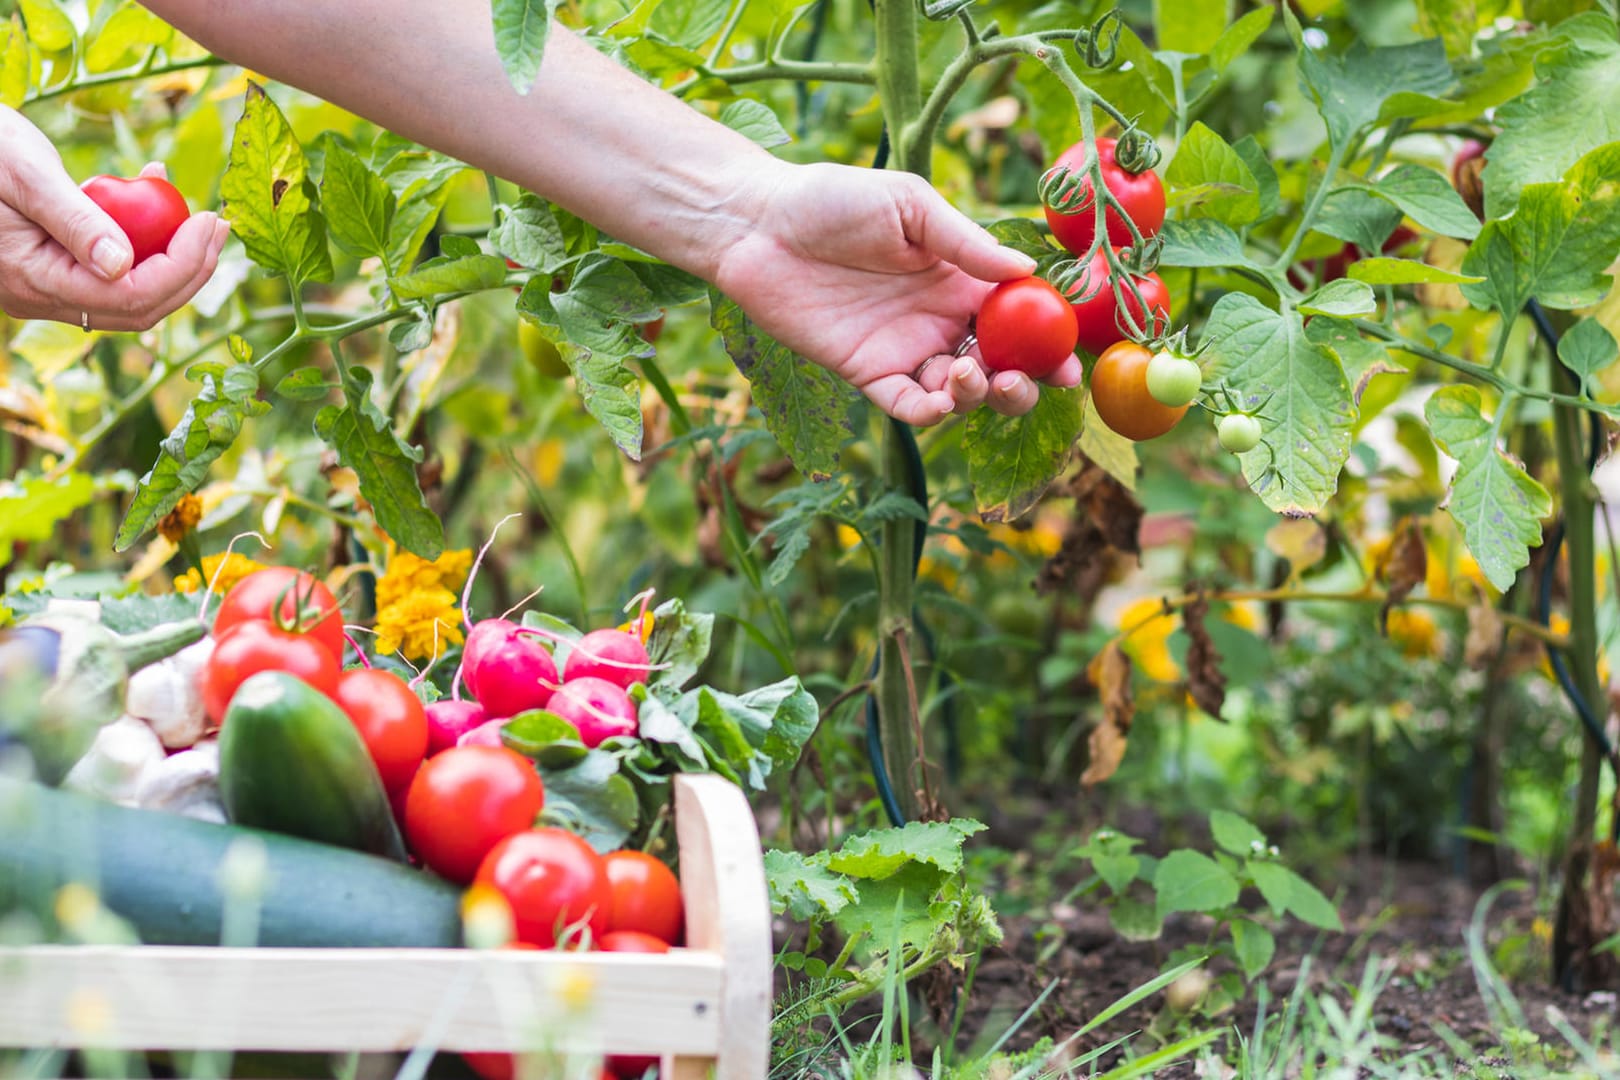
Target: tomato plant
646	896
292	599
390	718
1026	325
1141	194
464	801
256	645
555	883
149	209
1119	390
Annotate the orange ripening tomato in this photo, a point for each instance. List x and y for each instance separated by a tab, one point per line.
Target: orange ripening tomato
1119	390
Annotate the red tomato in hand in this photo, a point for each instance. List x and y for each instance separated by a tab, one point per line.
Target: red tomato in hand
1141	194
1098	315
256	596
391	720
646	896
465	801
254	646
554	881
1026	325
1119	389
149	209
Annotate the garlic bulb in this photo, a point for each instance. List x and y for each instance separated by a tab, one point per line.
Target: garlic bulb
186	783
167	698
123	751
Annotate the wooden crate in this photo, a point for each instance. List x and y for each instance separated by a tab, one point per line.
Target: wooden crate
704	1007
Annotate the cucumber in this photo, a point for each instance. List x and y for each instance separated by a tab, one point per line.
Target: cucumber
160	872
290	760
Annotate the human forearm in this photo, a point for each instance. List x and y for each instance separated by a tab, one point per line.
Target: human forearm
590	136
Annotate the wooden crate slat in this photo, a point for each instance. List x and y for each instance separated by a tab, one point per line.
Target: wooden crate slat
201	998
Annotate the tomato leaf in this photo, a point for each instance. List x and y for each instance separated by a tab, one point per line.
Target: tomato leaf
1113	452
130	30
1189	26
755	120
267	197
14	73
1236	39
1254	156
1558	243
528	234
304	384
1344	297
420	183
1428	198
1268	362
358	204
385	465
881	853
32	507
1013	460
49	27
521	30
1362	358
1497	503
464	272
1357	216
1253	945
1350	87
206	430
1202	242
1586	349
1386	271
806	407
1192	881
1227	190
1573	108
689	22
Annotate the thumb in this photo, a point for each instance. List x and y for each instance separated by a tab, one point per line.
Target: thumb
49	198
949	234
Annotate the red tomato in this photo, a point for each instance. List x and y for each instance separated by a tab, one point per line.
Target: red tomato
149	209
554	881
646	896
1141	194
391	720
625	1066
254	646
651	332
1098	315
255	597
465	801
1119	389
1026	325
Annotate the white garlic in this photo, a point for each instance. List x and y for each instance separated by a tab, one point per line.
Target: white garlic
167	698
186	783
113	766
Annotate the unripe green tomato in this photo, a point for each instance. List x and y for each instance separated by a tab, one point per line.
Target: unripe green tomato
540	351
1173	380
1238	432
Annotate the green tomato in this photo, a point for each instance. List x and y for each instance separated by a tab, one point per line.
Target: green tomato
1238	432
1173	380
541	351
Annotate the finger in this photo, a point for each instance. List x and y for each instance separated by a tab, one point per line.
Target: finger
155	168
200	276
152	290
903	398
949	234
45	194
1069	373
968	384
1012	393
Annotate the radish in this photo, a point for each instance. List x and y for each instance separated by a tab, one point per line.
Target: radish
507	670
614	656
449	720
482	639
485	734
598	708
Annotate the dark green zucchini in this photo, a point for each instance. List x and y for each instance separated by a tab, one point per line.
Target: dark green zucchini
160	872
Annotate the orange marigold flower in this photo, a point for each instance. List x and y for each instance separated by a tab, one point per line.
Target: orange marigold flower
408	573
421	624
181	520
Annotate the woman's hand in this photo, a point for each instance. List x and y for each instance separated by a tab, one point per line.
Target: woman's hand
63	258
876	277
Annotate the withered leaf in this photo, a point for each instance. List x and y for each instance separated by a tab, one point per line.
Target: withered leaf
1205	681
1404	566
1106	520
1110	673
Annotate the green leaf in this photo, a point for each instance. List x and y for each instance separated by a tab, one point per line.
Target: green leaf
529	235
1382	270
1253	945
806	407
1586	349
142	611
32	507
1192	881
611	393
1344	297
1118	871
1357	216
803	888
266	195
1266	360
49	27
1237	38
385	464
1259	162
1021	234
592	799
656	722
1134	920
1113	452
1287	892
420	182
14	66
1228	191
1013	460
521	30
777	719
1234	833
358	204
130	30
206	430
304	384
679	643
601	306
1202	242
1362	358
1497	503
1573	109
450	274
689	22
1558	243
1428	198
1351	87
1189	26
882	853
544	736
755	120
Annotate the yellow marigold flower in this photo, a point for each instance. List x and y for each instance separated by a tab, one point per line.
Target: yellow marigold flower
848	537
1414	631
1149	630
937	570
645	633
421	624
181	520
236	567
409	573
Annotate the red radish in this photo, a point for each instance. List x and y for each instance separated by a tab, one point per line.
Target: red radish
485	734
481	640
614	656
599	709
509	674
449	720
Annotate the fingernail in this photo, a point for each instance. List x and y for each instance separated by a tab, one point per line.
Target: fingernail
110	258
1026	262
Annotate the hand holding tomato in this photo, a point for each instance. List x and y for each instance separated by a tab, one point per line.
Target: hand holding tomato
66	259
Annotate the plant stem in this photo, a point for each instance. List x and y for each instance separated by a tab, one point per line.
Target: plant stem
787	70
1312	208
111	78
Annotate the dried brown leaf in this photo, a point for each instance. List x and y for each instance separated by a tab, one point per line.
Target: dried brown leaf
1205	681
1110	673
